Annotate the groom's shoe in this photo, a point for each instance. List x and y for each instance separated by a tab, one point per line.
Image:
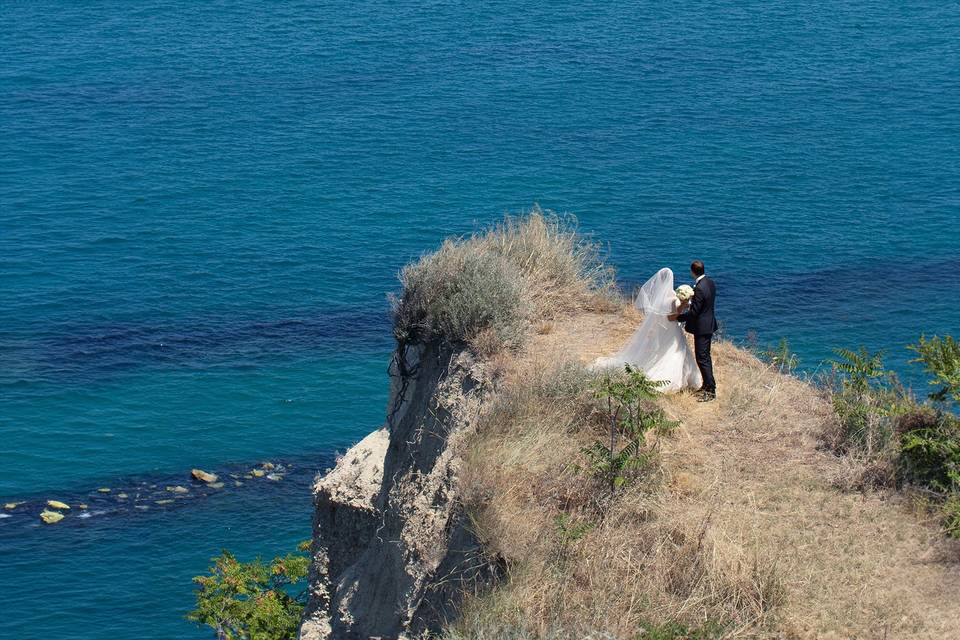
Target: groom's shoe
707	396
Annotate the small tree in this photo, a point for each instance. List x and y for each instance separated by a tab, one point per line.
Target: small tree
252	600
631	415
782	357
940	358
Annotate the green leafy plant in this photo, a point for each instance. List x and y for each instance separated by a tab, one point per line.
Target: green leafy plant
860	367
631	415
951	516
252	600
782	357
940	358
678	631
866	402
920	442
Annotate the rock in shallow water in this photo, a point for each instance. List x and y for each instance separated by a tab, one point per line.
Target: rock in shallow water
56	504
10	506
51	517
259	473
178	489
203	476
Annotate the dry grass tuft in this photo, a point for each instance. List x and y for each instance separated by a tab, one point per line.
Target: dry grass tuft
487	289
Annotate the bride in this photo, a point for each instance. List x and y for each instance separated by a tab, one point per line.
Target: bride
658	347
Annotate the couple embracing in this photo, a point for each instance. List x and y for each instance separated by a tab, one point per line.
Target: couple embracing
659	348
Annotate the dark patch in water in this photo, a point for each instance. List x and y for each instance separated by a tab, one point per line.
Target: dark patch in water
96	351
143	495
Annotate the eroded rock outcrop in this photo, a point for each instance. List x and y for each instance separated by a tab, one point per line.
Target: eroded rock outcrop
392	546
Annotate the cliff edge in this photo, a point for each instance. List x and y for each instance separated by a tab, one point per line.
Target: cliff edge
391	547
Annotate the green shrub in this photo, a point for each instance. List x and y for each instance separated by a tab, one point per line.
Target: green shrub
630	413
918	442
252	600
940	358
866	403
930	456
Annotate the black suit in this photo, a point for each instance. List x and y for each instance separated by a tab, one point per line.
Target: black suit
699	320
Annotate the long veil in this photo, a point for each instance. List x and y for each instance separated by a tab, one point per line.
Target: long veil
658	346
656	296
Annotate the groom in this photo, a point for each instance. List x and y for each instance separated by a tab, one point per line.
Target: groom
702	324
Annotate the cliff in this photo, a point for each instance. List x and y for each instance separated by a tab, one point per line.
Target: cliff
392	549
476	513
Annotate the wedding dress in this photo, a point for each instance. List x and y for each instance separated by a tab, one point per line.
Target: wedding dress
658	347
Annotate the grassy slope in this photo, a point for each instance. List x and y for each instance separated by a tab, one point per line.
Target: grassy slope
743	524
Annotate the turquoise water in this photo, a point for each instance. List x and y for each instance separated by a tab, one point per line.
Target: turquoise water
202	207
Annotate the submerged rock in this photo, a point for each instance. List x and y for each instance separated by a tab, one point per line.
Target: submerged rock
51	517
121	496
167	501
178	489
259	473
203	476
10	506
104	490
56	504
276	477
267	466
216	485
82	506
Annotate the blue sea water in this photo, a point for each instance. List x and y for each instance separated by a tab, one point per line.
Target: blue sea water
203	205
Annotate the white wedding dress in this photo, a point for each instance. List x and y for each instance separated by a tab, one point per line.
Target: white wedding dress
658	347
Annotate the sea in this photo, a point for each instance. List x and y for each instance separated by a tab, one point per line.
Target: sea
204	206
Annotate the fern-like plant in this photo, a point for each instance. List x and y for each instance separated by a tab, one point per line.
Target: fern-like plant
631	415
940	358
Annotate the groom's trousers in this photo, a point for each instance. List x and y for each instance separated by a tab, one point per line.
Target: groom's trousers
701	349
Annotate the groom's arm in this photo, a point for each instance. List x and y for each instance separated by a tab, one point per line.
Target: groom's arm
696	306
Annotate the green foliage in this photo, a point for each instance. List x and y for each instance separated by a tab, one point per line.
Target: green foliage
921	442
678	631
252	600
951	516
941	359
861	368
931	456
866	403
569	531
631	415
782	356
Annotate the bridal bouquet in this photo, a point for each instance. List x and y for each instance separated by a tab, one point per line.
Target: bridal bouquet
684	292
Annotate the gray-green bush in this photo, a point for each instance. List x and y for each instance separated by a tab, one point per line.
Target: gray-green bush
486	289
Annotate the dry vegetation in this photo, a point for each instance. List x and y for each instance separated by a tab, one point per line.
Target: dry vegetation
735	529
739	531
488	289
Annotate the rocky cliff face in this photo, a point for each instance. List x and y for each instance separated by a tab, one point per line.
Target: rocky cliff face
391	545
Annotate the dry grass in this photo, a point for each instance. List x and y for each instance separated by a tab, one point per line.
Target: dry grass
487	289
740	524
